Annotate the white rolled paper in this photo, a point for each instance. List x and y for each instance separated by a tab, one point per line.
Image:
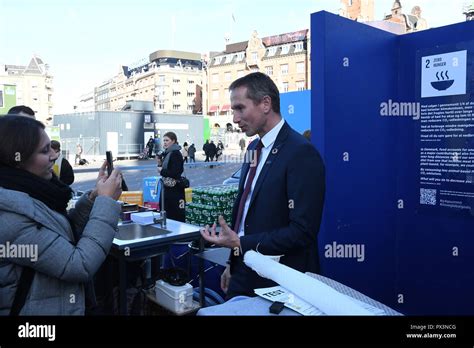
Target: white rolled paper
309	289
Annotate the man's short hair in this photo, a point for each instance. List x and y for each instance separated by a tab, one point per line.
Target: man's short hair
258	86
55	145
21	110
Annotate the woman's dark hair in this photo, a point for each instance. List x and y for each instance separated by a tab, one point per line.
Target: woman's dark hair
258	86
172	136
19	139
185	143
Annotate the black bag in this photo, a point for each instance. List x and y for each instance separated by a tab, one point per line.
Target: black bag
184	182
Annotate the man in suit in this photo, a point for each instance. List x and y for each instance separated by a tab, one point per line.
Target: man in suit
281	192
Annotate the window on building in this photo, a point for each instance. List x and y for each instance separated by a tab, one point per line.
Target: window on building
285	49
176	93
240	56
176	80
191	94
254	56
269	70
350	3
217	60
215	78
190	107
191	82
300	67
228	76
215	94
300	85
285	86
299	47
161	106
176	106
161	78
272	51
284	69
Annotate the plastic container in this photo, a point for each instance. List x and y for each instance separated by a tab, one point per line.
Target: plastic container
177	299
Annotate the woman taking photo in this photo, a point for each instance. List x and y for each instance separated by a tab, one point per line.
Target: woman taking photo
170	167
62	251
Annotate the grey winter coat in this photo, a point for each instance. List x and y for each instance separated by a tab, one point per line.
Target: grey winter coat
61	267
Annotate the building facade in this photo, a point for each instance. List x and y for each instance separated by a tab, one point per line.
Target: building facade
34	86
410	22
359	10
172	80
285	58
469	11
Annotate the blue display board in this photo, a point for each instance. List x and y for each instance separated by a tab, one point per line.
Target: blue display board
392	117
295	108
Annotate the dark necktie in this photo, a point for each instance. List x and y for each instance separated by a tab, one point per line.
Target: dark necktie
248	186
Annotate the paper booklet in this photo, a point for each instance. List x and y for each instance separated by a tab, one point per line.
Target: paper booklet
278	293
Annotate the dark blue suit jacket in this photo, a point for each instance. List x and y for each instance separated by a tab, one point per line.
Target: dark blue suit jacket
285	210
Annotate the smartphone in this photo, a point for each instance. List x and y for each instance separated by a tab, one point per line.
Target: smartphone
110	162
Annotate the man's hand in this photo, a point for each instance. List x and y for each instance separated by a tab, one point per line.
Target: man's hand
225	279
226	238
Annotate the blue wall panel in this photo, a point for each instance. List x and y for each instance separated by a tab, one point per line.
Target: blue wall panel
372	163
295	108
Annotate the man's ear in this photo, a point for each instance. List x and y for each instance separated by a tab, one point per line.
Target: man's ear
267	104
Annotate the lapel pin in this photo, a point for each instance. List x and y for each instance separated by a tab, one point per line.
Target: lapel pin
274	151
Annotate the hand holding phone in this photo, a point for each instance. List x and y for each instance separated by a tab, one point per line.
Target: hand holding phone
110	160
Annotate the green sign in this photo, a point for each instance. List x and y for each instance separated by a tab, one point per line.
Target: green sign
53	132
7	98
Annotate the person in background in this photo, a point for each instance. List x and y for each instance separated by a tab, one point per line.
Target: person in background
77	159
65	248
157	145
192	153
22	110
220	150
212	150
184	152
62	167
280	201
150	146
171	168
207	150
242	144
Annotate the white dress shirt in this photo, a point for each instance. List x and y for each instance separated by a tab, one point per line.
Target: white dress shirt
268	140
